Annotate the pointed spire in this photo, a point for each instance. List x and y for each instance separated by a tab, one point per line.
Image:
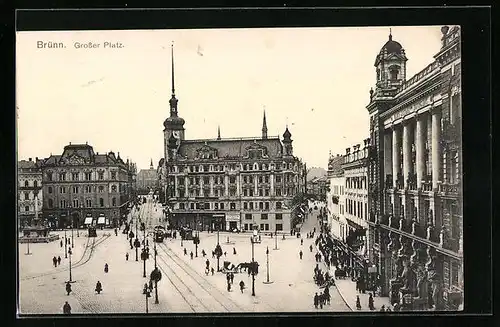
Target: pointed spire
218	132
151	165
264	126
173	80
390	34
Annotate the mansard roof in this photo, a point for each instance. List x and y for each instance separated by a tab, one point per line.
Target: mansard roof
231	147
82	154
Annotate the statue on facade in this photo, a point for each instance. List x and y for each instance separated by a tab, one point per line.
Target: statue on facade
401	222
442	236
408	277
414	227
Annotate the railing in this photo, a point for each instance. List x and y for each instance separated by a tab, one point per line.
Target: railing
447	188
427	186
433	67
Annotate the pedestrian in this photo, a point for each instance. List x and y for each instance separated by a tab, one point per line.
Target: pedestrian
58	260
321	300
310	248
225	253
54	261
300	254
283	236
228	286
61	246
191	254
213	254
203	253
370	302
301	241
185	251
106	268
234	250
98	287
242	286
68	288
150	284
232	278
382	309
116	232
126	256
67	308
316	300
358	303
212	270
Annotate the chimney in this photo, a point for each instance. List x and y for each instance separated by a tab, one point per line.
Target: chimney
348	150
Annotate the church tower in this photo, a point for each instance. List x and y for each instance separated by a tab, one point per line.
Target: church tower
173	125
264	127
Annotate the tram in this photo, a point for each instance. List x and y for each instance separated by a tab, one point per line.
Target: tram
92	231
159	234
186	233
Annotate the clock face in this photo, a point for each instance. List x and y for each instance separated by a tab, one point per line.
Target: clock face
176	134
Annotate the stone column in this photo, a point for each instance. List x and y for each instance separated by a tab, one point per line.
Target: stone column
406	151
436	147
387	156
420	147
396	134
226	185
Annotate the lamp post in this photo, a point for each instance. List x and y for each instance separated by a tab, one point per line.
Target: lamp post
136	243
65	243
275	239
156	274
81	216
267	263
218	245
72	223
253	262
70	277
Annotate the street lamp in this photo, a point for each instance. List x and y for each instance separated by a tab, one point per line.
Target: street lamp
65	242
70	253
72	223
252	238
275	239
144	256
81	216
267	262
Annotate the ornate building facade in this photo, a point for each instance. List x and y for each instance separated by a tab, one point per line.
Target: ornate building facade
82	187
415	169
30	197
228	183
335	199
355	171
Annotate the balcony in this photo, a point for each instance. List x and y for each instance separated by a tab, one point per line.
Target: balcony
427	186
412	182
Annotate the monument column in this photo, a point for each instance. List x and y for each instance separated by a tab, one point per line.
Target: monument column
395	154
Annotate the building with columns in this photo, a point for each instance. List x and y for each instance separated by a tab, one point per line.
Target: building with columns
30	197
228	183
83	187
335	199
415	168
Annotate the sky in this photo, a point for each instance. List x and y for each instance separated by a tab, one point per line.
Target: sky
316	80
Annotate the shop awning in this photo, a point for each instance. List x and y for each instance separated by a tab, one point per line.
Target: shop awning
88	221
101	220
360	229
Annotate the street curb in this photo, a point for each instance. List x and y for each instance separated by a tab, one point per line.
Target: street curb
338	289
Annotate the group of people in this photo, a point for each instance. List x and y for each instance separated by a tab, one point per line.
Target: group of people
56	261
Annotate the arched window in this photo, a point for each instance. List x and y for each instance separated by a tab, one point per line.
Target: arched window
35	183
101	202
51	203
26	184
394	72
113	202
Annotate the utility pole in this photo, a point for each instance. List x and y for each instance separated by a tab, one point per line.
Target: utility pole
267	255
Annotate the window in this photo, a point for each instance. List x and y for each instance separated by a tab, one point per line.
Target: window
88	189
62	189
266	226
261	205
51	203
278	179
261	192
222	206
101	202
26	184
113	175
261	226
278	205
245	206
113	188
260	179
63	203
75	203
206	181
181	206
266	192
278	192
246	226
216	206
263	216
27	208
35	183
279	227
232	179
49	176
266	205
88	203
251	205
26	196
248	216
101	189
74	176
233	206
113	202
101	175
75	189
279	216
88	176
266	178
62	176
191	206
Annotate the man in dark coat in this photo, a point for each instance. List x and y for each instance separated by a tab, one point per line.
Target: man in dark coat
68	288
58	260
54	261
242	286
300	254
67	308
316	300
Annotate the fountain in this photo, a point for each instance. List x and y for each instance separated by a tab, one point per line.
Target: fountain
37	231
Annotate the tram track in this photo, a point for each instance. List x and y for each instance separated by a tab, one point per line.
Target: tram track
88	250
